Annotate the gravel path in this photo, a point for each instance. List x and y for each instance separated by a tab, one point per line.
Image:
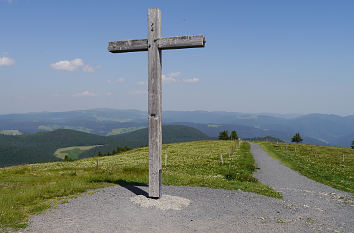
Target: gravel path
307	206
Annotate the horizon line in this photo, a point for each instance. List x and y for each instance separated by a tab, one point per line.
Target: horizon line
197	110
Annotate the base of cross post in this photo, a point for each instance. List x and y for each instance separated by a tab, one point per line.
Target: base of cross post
155	183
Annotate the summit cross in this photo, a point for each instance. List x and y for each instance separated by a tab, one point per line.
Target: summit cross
154	45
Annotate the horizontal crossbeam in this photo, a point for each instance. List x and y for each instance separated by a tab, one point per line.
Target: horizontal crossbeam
178	42
125	46
181	42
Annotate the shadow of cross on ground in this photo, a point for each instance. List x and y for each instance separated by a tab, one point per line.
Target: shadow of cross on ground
133	187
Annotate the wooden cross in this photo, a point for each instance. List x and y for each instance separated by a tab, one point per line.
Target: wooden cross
154	44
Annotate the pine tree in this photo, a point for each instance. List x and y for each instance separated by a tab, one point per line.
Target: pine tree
224	135
297	138
234	135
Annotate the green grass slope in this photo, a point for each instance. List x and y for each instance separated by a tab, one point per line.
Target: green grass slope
40	147
139	138
323	164
28	189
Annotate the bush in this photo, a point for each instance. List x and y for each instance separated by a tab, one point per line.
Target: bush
68	159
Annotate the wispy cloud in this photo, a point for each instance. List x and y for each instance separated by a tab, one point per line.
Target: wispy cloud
174	74
87	68
141	83
171	77
120	80
73	65
84	94
6	61
191	80
174	77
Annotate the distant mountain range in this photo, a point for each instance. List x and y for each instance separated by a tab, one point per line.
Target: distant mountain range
319	129
40	147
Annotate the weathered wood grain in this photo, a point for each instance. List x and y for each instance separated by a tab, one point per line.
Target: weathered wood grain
181	42
178	42
124	46
154	103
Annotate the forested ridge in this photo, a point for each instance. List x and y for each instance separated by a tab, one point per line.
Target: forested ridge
40	147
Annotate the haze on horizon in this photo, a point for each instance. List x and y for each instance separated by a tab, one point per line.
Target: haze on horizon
260	57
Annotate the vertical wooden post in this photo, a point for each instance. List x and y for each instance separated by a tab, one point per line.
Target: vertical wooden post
155	103
154	45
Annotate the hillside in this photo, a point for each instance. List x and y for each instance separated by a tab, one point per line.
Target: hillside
243	131
189	164
96	121
321	129
40	147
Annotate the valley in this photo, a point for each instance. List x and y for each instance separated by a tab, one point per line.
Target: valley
319	129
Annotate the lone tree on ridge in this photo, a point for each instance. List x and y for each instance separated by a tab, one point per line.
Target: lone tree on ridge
224	135
297	138
233	135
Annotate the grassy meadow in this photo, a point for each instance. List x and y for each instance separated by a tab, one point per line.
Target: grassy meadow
323	164
29	189
72	152
124	130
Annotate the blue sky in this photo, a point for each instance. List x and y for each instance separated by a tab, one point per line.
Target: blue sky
260	56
